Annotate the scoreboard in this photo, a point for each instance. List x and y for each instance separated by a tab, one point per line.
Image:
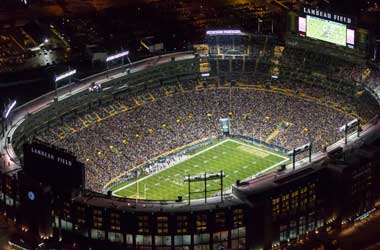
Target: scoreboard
326	30
328	27
54	166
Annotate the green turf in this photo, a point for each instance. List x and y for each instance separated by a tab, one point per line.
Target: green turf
233	157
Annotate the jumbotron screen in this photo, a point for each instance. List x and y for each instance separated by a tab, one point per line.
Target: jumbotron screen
326	30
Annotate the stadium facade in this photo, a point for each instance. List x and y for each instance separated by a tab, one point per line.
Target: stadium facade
337	188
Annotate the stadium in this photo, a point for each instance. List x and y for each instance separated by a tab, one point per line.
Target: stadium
247	143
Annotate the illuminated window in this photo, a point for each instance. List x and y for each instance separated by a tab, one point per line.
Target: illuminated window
220	219
220	236
302	225
201	241
320	223
115	221
80	215
143	224
162	225
283	233
115	237
97	234
238	238
66	225
66	210
293	229
182	224
143	240
129	239
201	222
182	240
238	217
163	240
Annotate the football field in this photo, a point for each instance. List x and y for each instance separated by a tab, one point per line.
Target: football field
238	160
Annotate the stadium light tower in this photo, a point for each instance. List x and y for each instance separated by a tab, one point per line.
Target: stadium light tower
350	125
296	151
65	75
117	56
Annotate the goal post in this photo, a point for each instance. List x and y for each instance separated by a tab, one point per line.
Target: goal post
204	178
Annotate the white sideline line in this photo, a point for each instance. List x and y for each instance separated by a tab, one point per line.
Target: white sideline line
205	150
148	176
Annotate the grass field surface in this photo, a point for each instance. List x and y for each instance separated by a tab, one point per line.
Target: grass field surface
237	159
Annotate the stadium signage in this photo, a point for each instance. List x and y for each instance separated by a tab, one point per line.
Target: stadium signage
50	156
327	15
224	32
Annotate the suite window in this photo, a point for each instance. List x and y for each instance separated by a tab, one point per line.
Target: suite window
285	203
293	229
238	236
115	237
201	222
275	207
220	219
80	214
129	239
294	203
162	225
320	223
97	234
143	240
220	240
97	222
143	224
182	224
9	200
56	222
163	240
97	218
115	221
302	225
66	210
238	217
182	241
201	241
66	225
311	225
283	233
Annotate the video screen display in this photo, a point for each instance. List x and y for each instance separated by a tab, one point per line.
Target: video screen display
326	30
302	24
351	36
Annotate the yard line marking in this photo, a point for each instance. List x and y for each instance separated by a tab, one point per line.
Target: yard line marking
258	148
275	163
192	156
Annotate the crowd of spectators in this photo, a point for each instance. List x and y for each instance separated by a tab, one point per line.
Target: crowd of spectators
118	143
